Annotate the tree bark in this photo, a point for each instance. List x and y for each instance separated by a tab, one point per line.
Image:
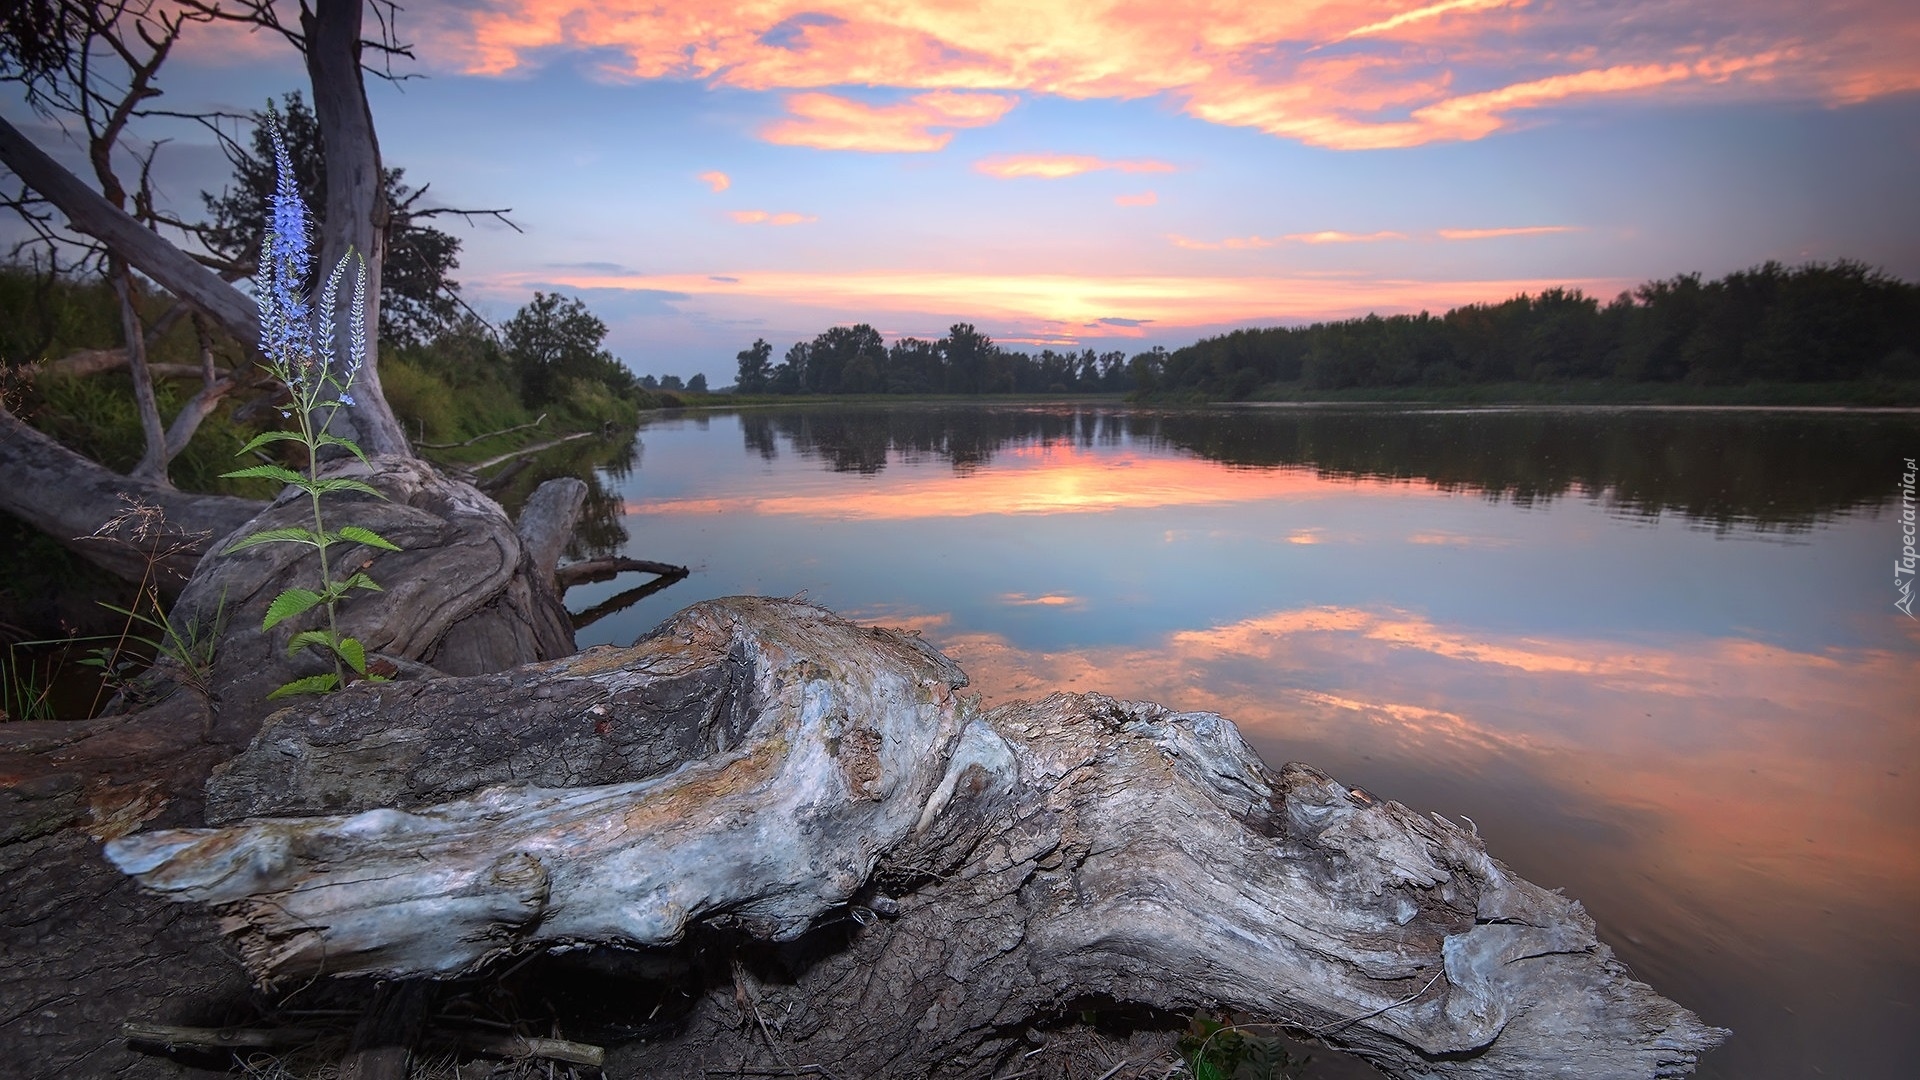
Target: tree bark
72	499
464	595
764	769
356	211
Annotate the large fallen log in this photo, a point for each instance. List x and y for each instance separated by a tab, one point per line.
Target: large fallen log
764	768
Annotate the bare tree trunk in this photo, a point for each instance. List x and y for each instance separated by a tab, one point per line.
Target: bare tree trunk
356	211
950	879
152	466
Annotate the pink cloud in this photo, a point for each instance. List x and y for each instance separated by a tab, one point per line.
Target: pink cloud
831	122
1490	234
1335	236
1057	166
716	180
1443	70
762	217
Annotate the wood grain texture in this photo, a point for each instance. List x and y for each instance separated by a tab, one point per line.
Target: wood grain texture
765	767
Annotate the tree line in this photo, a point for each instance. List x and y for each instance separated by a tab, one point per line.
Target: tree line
1820	322
854	360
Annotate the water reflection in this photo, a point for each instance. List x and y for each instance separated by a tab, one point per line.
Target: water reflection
1763	468
1683	695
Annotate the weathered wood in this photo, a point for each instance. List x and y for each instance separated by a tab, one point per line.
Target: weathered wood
356	213
70	498
462	596
761	766
547	520
606	569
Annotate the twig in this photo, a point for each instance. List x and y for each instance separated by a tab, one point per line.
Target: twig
172	1036
1390	1005
525	450
477	438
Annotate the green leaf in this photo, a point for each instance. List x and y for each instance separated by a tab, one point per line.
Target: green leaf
354	653
309	637
294	535
270	472
288	604
266	437
341	483
312	684
325	439
367	537
360	581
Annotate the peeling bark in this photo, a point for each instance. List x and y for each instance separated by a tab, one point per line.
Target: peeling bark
763	768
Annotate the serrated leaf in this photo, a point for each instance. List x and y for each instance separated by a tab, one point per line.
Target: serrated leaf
266	437
354	653
367	537
309	637
269	472
288	604
352	447
341	483
361	581
294	535
312	684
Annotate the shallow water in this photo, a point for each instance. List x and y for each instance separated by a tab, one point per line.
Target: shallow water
1653	656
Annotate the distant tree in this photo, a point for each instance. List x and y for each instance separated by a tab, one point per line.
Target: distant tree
555	338
846	360
968	353
914	367
649	382
756	368
698	384
790	376
671	382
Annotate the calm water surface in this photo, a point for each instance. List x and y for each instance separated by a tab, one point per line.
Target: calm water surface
1653	655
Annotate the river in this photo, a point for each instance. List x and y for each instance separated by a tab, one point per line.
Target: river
1652	655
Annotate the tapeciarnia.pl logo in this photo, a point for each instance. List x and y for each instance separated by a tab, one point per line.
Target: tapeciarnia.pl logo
1904	564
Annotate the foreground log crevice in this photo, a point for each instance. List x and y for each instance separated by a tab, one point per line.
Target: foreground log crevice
944	876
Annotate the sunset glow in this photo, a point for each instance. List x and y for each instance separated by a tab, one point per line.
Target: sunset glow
1123	174
1064	480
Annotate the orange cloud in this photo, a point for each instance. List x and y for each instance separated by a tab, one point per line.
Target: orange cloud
1057	166
1489	234
1231	243
830	122
1047	600
1145	198
1431	11
762	217
716	180
1394	80
1334	236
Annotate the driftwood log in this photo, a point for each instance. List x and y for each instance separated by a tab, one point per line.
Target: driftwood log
951	881
470	591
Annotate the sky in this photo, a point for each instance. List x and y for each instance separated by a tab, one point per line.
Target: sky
1110	175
